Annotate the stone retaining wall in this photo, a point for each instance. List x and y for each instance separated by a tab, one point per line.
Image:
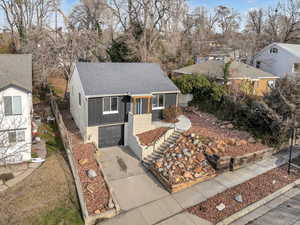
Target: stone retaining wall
89	219
229	163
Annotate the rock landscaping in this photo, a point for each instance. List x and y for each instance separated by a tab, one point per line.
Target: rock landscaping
227	141
95	190
228	148
229	202
183	164
209	146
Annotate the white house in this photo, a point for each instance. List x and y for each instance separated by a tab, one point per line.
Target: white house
279	59
15	108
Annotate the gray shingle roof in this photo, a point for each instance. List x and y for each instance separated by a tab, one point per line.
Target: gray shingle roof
293	48
210	68
16	69
242	70
215	69
123	78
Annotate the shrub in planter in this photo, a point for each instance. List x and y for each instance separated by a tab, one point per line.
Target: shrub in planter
170	114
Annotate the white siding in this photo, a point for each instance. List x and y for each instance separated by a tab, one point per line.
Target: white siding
280	64
79	112
20	151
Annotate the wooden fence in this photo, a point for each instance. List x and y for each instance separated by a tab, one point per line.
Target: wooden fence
67	142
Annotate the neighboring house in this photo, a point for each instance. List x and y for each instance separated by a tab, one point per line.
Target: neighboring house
279	59
238	72
220	54
15	108
112	102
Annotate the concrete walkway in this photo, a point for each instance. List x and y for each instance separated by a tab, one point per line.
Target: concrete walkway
281	211
183	124
23	170
144	201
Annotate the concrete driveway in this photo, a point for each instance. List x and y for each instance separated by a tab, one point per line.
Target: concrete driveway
130	181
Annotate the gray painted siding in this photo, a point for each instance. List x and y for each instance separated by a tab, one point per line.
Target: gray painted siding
170	99
95	112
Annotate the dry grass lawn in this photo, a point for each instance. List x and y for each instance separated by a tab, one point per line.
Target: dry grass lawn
42	196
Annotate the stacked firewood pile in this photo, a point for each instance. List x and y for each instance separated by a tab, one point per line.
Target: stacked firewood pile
185	160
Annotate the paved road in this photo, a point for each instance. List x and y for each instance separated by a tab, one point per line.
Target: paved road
288	213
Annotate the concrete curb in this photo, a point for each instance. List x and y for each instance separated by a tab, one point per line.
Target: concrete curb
258	204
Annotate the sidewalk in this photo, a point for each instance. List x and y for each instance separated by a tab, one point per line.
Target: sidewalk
169	208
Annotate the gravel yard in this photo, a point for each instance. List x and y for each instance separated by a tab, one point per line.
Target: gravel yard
250	192
148	138
225	140
95	190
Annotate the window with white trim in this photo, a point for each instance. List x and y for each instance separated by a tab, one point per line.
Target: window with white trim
12	105
110	105
296	68
158	101
258	63
274	50
16	136
271	83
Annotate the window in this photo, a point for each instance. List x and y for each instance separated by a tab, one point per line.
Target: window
12	105
79	98
274	50
296	68
12	137
20	136
16	136
110	105
258	64
271	83
158	101
139	106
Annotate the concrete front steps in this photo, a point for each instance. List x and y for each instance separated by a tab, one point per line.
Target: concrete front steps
158	153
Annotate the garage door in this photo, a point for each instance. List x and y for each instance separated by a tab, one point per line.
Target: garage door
111	136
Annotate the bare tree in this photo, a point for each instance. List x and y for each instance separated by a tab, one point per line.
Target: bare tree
23	16
89	15
283	21
255	21
144	21
228	19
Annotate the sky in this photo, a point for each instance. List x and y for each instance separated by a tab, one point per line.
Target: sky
241	5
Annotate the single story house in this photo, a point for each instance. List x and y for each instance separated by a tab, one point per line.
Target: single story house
112	102
280	59
15	108
238	72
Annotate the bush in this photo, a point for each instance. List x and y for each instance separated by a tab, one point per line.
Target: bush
191	83
170	114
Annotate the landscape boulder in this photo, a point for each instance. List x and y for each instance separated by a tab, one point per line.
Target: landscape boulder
238	198
91	173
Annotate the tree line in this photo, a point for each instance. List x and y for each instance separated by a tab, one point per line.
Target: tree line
163	31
